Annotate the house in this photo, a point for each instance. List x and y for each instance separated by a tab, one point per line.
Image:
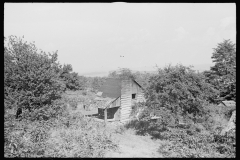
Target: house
121	94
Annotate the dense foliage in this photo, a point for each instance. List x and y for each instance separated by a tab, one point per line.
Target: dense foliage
30	77
34	85
124	73
180	90
68	136
195	138
223	74
70	78
186	121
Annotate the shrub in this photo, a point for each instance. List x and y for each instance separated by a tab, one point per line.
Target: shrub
179	89
84	93
71	79
73	104
30	77
120	129
53	138
195	145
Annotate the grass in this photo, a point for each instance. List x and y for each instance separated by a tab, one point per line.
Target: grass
68	135
73	135
192	140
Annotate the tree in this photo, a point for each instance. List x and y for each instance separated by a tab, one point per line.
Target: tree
70	78
143	78
97	82
122	73
30	77
179	89
223	74
82	82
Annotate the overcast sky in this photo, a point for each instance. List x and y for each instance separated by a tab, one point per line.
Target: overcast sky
96	38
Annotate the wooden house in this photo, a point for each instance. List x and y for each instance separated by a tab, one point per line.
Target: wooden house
122	94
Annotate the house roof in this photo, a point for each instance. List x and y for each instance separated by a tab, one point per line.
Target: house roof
138	83
111	88
105	102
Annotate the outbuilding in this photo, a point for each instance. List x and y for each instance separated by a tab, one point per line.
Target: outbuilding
122	94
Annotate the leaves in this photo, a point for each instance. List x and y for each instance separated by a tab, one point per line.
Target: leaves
179	88
223	74
29	80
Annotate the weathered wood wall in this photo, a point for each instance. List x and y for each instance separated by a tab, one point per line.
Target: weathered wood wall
140	96
128	88
138	91
126	99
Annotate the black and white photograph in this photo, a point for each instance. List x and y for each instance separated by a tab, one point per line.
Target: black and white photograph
119	80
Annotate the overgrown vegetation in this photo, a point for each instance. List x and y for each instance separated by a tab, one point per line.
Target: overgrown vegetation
123	73
30	76
223	74
189	121
41	117
198	136
37	119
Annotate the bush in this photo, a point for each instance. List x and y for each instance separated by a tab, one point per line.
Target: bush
195	145
178	89
84	93
73	104
30	77
68	136
71	79
120	129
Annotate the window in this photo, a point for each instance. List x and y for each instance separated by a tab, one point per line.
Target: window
134	96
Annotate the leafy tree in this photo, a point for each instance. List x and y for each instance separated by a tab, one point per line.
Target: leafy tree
70	78
143	78
122	73
223	74
178	89
82	82
113	74
97	82
30	77
66	69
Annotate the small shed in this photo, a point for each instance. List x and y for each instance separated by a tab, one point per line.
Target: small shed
122	94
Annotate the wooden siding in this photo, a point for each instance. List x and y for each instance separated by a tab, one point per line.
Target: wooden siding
140	97
138	91
126	98
135	88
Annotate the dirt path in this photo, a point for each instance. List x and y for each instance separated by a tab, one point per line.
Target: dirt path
131	145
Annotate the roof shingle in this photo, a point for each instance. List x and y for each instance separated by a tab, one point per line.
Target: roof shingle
111	88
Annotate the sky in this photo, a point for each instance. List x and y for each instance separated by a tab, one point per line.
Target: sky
96	38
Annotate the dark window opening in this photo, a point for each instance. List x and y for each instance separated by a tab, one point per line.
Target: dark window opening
133	96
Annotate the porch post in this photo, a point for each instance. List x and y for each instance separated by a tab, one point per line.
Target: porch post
105	115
